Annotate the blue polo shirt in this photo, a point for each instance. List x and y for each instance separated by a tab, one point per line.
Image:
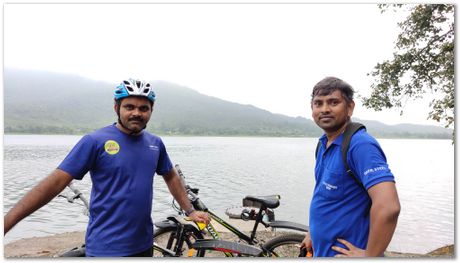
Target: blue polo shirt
122	168
339	205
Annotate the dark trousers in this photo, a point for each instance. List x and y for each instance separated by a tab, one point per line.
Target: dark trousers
146	253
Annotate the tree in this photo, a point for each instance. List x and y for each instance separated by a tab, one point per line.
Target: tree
423	62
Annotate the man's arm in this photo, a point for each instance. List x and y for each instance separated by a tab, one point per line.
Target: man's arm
39	196
177	189
383	218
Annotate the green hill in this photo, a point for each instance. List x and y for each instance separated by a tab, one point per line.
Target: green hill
41	102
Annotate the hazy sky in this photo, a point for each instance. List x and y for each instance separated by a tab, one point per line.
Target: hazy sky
267	55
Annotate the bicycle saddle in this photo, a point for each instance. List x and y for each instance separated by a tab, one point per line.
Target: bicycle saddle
270	201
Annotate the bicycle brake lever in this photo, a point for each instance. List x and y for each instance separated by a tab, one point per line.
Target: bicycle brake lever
76	196
68	198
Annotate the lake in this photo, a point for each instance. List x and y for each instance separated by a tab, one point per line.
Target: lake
228	168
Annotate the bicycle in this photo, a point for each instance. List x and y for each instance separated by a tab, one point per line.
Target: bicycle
179	231
80	251
186	238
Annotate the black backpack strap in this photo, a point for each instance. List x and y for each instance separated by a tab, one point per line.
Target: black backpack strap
317	149
350	130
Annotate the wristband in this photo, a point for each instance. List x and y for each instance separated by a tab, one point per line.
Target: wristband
189	211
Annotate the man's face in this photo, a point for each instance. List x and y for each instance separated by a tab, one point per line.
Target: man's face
331	112
135	113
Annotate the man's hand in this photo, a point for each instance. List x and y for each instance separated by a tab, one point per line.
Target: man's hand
352	251
200	216
307	244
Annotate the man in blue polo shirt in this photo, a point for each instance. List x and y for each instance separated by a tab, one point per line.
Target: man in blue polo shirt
345	220
122	160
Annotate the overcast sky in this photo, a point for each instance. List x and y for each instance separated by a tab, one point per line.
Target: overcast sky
267	55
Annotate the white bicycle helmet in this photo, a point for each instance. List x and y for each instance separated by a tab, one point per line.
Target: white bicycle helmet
134	87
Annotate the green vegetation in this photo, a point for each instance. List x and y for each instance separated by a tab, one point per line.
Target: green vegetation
49	103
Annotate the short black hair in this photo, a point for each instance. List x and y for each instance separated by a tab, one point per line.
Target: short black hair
330	84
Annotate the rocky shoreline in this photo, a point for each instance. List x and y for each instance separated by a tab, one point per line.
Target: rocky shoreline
51	246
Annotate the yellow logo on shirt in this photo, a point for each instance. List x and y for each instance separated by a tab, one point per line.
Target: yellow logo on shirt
111	147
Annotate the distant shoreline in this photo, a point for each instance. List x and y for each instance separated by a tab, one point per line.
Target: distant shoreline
235	136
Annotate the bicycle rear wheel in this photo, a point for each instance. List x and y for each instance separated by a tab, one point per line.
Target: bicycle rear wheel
167	238
287	245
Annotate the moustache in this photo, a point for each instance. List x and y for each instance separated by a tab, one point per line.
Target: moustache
136	119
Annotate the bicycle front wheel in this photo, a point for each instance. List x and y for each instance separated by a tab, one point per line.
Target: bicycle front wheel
167	238
287	245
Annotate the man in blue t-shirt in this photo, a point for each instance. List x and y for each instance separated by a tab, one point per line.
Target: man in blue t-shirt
122	160
347	220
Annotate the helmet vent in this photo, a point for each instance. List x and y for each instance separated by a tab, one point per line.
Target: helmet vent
131	87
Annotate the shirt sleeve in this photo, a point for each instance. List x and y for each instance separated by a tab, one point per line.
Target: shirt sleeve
164	163
81	158
367	160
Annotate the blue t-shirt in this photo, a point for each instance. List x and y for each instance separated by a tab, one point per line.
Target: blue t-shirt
339	205
122	168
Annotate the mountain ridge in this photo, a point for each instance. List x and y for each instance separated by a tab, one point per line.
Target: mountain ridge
42	102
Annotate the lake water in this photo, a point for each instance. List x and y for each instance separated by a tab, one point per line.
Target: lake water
228	168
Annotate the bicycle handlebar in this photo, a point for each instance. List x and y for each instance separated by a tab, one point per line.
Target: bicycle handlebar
181	175
192	192
77	194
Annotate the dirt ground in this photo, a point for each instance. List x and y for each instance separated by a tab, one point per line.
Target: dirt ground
48	246
51	246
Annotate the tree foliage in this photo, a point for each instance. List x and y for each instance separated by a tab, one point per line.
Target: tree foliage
423	63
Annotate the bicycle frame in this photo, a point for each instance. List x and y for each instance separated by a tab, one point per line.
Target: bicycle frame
181	226
164	251
215	234
222	246
79	195
199	205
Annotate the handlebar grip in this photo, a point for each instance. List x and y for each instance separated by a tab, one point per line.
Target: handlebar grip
78	194
75	190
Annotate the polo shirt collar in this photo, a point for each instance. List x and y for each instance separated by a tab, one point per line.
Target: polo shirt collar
337	141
